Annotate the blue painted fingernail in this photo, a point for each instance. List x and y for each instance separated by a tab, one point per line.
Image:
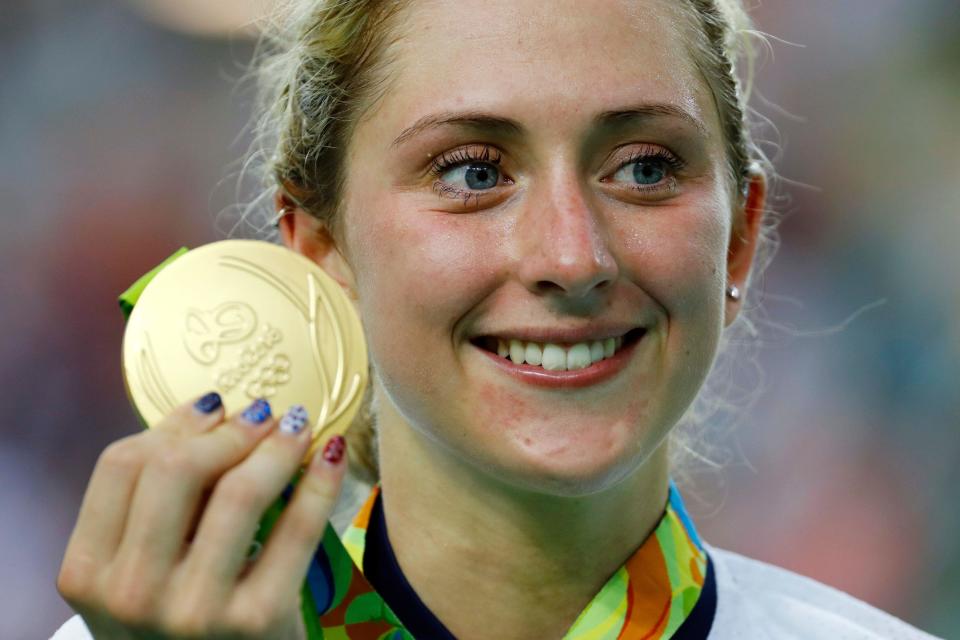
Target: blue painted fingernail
258	412
294	420
208	403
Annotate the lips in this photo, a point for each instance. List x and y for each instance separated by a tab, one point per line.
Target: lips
561	364
554	355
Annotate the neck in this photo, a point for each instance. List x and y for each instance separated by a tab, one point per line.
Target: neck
492	560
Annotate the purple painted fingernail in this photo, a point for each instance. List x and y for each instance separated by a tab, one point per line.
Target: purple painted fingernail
208	403
294	420
257	413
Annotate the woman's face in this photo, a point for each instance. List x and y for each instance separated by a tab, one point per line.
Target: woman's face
547	173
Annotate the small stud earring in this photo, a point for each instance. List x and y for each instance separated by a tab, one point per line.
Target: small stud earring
275	223
733	292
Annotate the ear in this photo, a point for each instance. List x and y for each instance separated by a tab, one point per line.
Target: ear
744	238
303	233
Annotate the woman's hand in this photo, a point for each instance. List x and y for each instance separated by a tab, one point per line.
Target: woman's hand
160	546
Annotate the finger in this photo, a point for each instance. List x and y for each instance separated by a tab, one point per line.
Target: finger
283	564
109	494
239	500
103	512
171	484
209	408
210	404
199	415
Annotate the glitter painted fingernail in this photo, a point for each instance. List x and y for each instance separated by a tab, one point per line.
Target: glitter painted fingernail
294	420
333	451
208	403
257	413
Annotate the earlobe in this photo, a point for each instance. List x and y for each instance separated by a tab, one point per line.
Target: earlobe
744	239
305	234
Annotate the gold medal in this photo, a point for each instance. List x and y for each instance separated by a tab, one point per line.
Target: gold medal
249	319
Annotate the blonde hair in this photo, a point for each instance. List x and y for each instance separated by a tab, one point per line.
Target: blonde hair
323	63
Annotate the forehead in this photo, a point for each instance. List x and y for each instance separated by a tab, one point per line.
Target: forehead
545	63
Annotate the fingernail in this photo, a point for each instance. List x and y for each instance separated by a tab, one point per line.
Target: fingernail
333	451
258	412
208	403
294	420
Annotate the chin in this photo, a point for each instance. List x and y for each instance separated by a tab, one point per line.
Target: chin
570	471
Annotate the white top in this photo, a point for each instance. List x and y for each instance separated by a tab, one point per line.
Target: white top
756	601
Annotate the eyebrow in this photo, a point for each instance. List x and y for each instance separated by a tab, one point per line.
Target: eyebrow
482	121
644	112
477	120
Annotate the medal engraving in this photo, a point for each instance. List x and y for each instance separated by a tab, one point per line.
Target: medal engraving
248	319
155	389
270	371
207	331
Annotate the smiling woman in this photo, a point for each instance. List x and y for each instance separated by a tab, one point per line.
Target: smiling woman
545	214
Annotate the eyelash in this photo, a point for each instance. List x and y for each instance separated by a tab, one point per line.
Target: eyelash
463	155
486	153
439	166
647	153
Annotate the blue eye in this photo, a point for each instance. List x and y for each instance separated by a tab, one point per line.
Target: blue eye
649	172
643	171
476	175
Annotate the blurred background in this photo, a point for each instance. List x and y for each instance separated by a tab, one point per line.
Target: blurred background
121	128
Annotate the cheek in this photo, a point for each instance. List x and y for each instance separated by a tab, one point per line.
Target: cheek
417	273
679	259
680	262
425	261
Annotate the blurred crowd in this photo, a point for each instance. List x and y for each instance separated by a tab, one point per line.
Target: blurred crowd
121	128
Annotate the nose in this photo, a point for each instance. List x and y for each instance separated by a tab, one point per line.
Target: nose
565	245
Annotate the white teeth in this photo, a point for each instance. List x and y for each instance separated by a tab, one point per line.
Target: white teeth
596	351
554	358
517	351
533	354
609	346
578	357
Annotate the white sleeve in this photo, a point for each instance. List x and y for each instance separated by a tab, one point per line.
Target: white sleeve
72	629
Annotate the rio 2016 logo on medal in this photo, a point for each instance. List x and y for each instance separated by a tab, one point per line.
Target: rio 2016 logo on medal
249	319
